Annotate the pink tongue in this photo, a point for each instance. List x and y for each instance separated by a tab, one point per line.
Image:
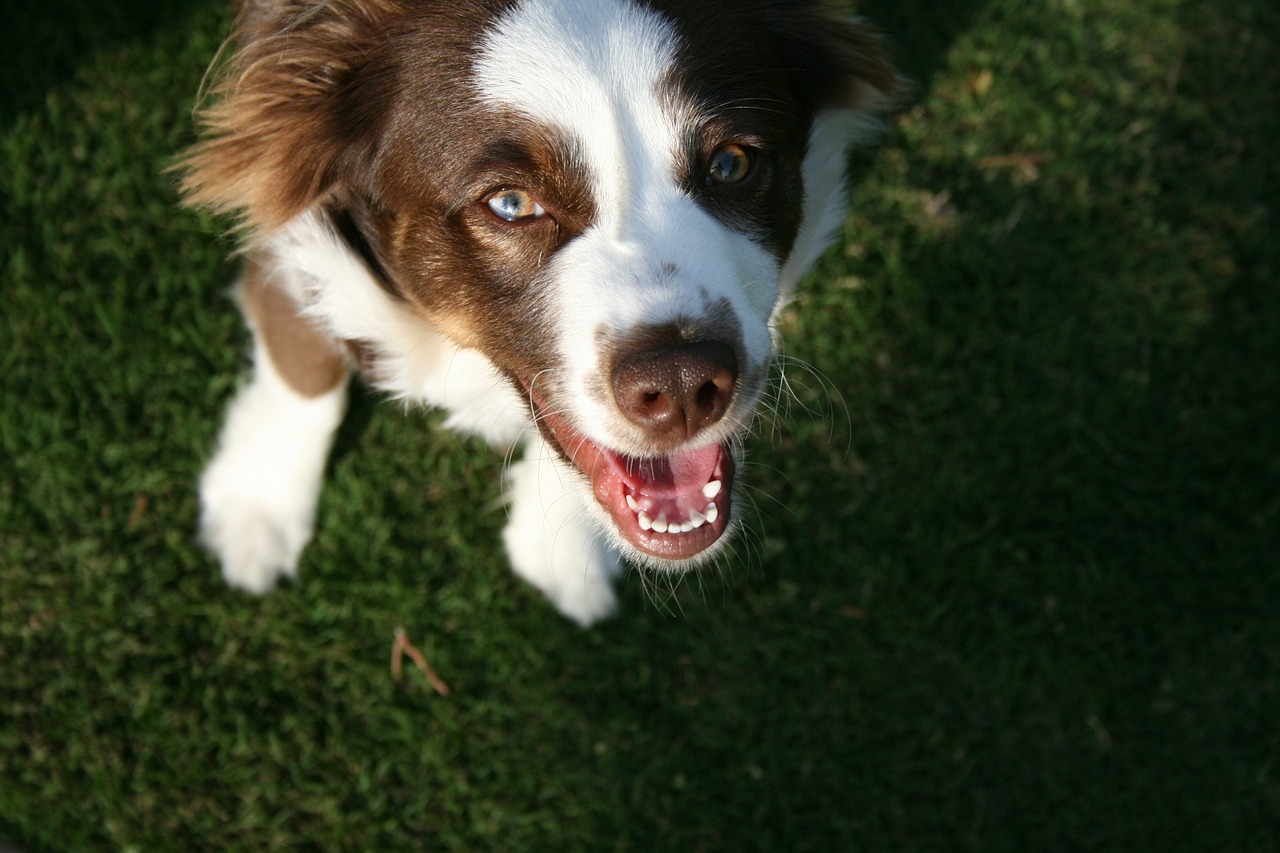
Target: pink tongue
682	473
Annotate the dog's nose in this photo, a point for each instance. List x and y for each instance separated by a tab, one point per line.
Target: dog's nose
674	391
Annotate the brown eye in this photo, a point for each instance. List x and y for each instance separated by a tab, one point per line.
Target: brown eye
730	164
514	206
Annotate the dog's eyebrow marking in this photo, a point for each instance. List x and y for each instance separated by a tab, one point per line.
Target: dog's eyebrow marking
503	154
594	70
536	153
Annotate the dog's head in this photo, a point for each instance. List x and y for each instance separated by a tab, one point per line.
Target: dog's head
607	198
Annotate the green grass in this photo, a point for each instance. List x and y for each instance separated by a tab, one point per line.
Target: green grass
1014	580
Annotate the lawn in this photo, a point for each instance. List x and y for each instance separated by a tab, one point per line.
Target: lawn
1015	562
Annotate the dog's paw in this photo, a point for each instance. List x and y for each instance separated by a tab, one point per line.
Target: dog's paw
576	576
256	541
258	495
254	552
553	545
586	601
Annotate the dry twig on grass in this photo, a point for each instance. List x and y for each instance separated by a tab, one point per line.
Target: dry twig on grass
402	647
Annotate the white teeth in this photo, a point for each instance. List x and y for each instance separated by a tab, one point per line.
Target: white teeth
709	514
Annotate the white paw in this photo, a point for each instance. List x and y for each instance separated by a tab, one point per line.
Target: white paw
256	543
553	544
580	586
258	495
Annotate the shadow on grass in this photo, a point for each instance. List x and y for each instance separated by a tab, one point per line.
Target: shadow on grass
43	42
919	33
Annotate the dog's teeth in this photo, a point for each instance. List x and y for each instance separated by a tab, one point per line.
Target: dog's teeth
710	490
675	528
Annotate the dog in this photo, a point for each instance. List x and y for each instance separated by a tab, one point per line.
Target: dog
571	224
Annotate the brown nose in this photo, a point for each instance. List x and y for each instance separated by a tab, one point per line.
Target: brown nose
674	391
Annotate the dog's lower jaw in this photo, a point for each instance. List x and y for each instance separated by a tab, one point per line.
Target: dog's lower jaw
668	510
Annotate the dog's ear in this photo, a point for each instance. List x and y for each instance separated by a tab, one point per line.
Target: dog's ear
842	76
293	117
835	62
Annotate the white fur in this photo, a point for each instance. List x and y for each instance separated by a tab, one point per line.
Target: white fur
414	362
553	543
826	191
590	68
258	495
705	263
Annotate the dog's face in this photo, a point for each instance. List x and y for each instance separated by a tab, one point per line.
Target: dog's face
600	196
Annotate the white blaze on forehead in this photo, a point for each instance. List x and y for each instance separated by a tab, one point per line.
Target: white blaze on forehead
593	69
597	72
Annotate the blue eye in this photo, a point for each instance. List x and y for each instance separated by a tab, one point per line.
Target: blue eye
515	206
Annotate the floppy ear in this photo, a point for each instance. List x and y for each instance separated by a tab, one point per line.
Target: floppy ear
842	75
835	62
291	119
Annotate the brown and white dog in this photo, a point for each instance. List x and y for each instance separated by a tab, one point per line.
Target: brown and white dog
569	223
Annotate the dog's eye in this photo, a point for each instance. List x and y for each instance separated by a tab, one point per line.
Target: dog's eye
730	164
515	206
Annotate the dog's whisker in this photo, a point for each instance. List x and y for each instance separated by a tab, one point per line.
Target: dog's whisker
753	490
676	582
660	599
828	387
782	400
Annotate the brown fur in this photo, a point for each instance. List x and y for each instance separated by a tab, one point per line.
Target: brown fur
284	129
303	355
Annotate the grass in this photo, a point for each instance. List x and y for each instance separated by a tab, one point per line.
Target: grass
1013	580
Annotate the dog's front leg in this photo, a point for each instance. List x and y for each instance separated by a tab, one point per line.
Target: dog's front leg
553	543
258	495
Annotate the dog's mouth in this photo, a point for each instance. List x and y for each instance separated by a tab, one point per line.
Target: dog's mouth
672	507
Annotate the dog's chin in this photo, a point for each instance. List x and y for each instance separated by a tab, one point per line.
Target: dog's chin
667	512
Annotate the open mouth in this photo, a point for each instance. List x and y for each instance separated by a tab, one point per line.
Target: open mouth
672	507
